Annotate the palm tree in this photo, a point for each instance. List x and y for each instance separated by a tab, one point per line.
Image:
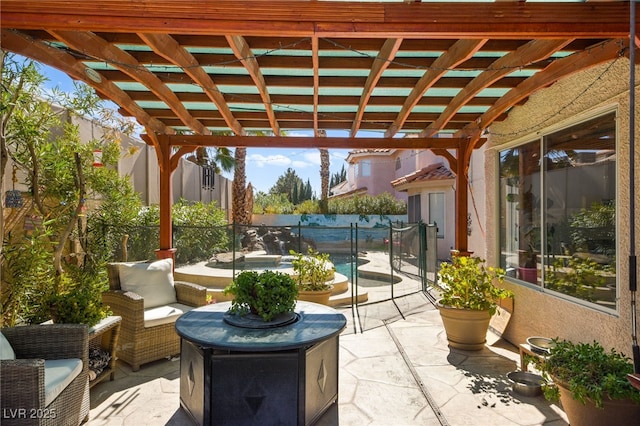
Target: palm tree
324	176
219	158
240	215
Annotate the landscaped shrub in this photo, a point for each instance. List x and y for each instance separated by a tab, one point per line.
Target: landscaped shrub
382	204
199	231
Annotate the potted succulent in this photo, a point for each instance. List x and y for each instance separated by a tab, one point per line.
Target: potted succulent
591	383
469	297
266	294
313	273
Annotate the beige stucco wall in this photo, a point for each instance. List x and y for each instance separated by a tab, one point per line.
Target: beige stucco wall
537	313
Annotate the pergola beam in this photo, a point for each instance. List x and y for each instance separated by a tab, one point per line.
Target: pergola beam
324	19
307	142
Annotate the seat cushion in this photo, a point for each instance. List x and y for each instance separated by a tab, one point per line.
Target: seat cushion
58	374
164	314
151	281
6	351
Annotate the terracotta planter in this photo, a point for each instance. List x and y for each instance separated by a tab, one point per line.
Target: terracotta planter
615	411
466	328
528	274
321	297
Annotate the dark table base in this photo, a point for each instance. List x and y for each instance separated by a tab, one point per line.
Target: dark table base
289	387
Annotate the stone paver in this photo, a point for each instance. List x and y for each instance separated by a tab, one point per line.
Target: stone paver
395	369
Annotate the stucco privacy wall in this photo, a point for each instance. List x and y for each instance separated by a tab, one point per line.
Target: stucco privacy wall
590	91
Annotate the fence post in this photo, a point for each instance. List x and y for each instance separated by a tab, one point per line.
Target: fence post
233	249
353	283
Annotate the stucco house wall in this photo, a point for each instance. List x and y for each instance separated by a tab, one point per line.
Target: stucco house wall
477	199
536	312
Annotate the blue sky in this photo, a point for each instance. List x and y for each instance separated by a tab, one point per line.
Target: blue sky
264	165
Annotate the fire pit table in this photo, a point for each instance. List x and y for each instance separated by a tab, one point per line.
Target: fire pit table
234	374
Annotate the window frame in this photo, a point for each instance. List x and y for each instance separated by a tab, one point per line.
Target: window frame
540	137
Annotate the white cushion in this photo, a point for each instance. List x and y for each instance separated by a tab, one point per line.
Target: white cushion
58	374
152	281
164	314
6	351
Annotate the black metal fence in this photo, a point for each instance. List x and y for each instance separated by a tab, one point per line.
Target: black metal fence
380	263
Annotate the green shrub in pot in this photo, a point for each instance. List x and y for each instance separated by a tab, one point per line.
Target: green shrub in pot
469	298
589	372
266	293
467	283
313	270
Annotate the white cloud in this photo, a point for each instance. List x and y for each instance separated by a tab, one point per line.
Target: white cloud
260	160
299	164
313	157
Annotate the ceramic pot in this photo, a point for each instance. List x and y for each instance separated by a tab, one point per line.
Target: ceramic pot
615	411
315	296
466	328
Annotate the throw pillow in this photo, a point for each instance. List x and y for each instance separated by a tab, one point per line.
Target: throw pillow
152	281
6	351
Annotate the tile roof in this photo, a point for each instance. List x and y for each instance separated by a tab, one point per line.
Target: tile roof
436	171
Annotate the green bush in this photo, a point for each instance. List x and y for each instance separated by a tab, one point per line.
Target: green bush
588	371
383	204
272	204
266	294
313	270
308	207
79	298
199	231
468	283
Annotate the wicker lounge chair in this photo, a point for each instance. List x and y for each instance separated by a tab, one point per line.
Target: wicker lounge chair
22	380
143	339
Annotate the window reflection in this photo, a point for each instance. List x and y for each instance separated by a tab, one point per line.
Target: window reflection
557	211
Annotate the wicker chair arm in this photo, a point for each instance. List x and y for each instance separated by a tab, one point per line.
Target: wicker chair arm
190	294
52	341
20	380
129	305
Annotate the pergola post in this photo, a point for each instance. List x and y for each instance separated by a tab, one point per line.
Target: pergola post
163	152
462	201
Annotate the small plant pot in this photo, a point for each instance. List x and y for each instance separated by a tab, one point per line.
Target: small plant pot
315	296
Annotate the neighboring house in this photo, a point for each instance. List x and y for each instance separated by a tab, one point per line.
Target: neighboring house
422	179
139	162
370	171
431	198
558	206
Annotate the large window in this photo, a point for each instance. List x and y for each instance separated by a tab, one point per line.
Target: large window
557	211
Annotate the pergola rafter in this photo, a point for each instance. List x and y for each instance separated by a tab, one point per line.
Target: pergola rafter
189	72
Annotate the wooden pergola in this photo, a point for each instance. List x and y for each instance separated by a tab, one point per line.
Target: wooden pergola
441	72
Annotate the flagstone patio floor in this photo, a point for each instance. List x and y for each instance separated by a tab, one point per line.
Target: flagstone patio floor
396	369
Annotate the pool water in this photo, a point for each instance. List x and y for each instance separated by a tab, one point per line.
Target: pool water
341	262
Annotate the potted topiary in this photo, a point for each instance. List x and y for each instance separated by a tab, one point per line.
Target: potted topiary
591	383
313	273
468	300
266	294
